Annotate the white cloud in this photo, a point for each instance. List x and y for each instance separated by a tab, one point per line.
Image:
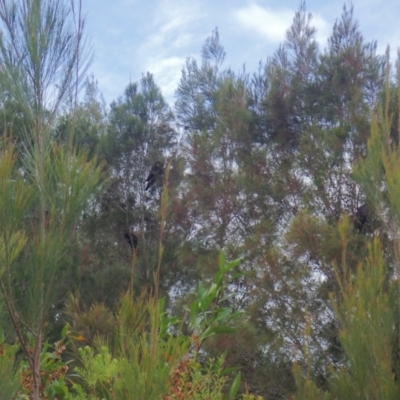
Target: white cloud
172	32
167	72
273	24
172	19
323	29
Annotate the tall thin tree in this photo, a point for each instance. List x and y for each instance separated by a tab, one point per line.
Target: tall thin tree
43	59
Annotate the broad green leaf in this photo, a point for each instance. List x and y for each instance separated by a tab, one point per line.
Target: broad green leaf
235	387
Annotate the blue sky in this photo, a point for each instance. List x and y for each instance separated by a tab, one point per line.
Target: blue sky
131	37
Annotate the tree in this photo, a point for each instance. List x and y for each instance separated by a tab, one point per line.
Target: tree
269	176
367	303
139	136
42	57
86	125
231	196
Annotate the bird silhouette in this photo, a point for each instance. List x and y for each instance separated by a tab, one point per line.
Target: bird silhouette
131	239
155	172
361	218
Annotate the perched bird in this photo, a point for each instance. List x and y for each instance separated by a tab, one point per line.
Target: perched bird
155	172
361	218
131	239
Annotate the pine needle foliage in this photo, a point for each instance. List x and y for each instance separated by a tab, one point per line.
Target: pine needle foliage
42	57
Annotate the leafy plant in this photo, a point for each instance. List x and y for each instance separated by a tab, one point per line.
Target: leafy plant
207	315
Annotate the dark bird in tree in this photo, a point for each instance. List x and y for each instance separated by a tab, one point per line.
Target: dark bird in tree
131	239
155	173
361	218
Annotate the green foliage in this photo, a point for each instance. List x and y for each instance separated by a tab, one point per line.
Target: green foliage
91	322
53	373
138	134
379	172
366	313
150	357
100	371
87	125
207	317
147	348
10	381
15	198
366	316
366	305
307	389
273	168
191	380
42	57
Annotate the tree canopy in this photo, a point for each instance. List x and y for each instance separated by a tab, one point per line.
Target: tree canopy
252	226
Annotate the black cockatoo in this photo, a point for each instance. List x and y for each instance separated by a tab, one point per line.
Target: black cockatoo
362	217
131	239
155	173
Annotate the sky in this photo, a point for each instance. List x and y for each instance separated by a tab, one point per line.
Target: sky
132	37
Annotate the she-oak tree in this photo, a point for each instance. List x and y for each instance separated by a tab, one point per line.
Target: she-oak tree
43	59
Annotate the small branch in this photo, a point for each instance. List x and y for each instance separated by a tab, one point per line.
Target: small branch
163	206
